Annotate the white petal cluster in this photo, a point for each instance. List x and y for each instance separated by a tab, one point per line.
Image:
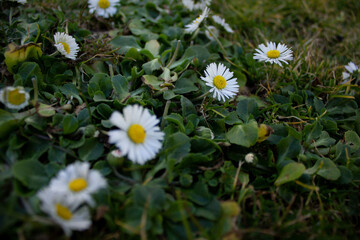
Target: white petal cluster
226	87
138	135
63	211
351	69
20	1
191	5
64	198
211	32
14	97
274	54
249	158
103	8
191	27
222	22
66	45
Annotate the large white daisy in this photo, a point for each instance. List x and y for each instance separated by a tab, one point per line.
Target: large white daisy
191	27
222	22
78	182
351	69
221	81
273	54
103	8
139	137
64	211
14	97
66	45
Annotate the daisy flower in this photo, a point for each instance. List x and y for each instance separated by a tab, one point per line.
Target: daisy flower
351	69
213	31
103	8
273	54
66	45
64	211
191	5
222	22
78	182
219	78
191	27
20	1
139	137
14	97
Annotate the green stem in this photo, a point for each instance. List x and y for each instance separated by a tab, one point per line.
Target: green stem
201	96
174	55
36	91
166	110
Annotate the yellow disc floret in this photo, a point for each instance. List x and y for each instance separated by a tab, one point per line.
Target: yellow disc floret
66	47
15	97
63	212
273	54
104	4
219	82
77	184
137	133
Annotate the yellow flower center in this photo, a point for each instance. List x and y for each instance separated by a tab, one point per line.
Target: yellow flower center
273	54
63	212
219	82
104	4
66	47
15	97
137	133
78	184
197	20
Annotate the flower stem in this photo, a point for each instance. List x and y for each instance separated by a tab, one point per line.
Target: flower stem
201	96
166	110
174	55
36	91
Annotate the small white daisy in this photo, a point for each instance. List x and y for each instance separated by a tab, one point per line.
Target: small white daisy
222	22
191	5
139	137
191	27
103	8
351	69
219	78
66	45
14	97
64	211
78	182
213	32
249	158
20	1
273	54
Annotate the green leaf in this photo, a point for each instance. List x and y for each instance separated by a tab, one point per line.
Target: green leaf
31	173
153	46
353	139
246	108
46	110
290	172
177	146
245	134
138	29
91	150
288	147
325	168
177	119
7	123
151	66
125	43
29	71
120	85
69	124
70	90
152	81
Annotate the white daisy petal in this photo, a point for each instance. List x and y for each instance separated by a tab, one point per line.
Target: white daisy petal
191	27
139	136
352	71
222	22
273	54
64	211
66	45
218	77
14	97
103	8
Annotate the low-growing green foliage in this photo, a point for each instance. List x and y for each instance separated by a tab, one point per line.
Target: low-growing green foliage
301	179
